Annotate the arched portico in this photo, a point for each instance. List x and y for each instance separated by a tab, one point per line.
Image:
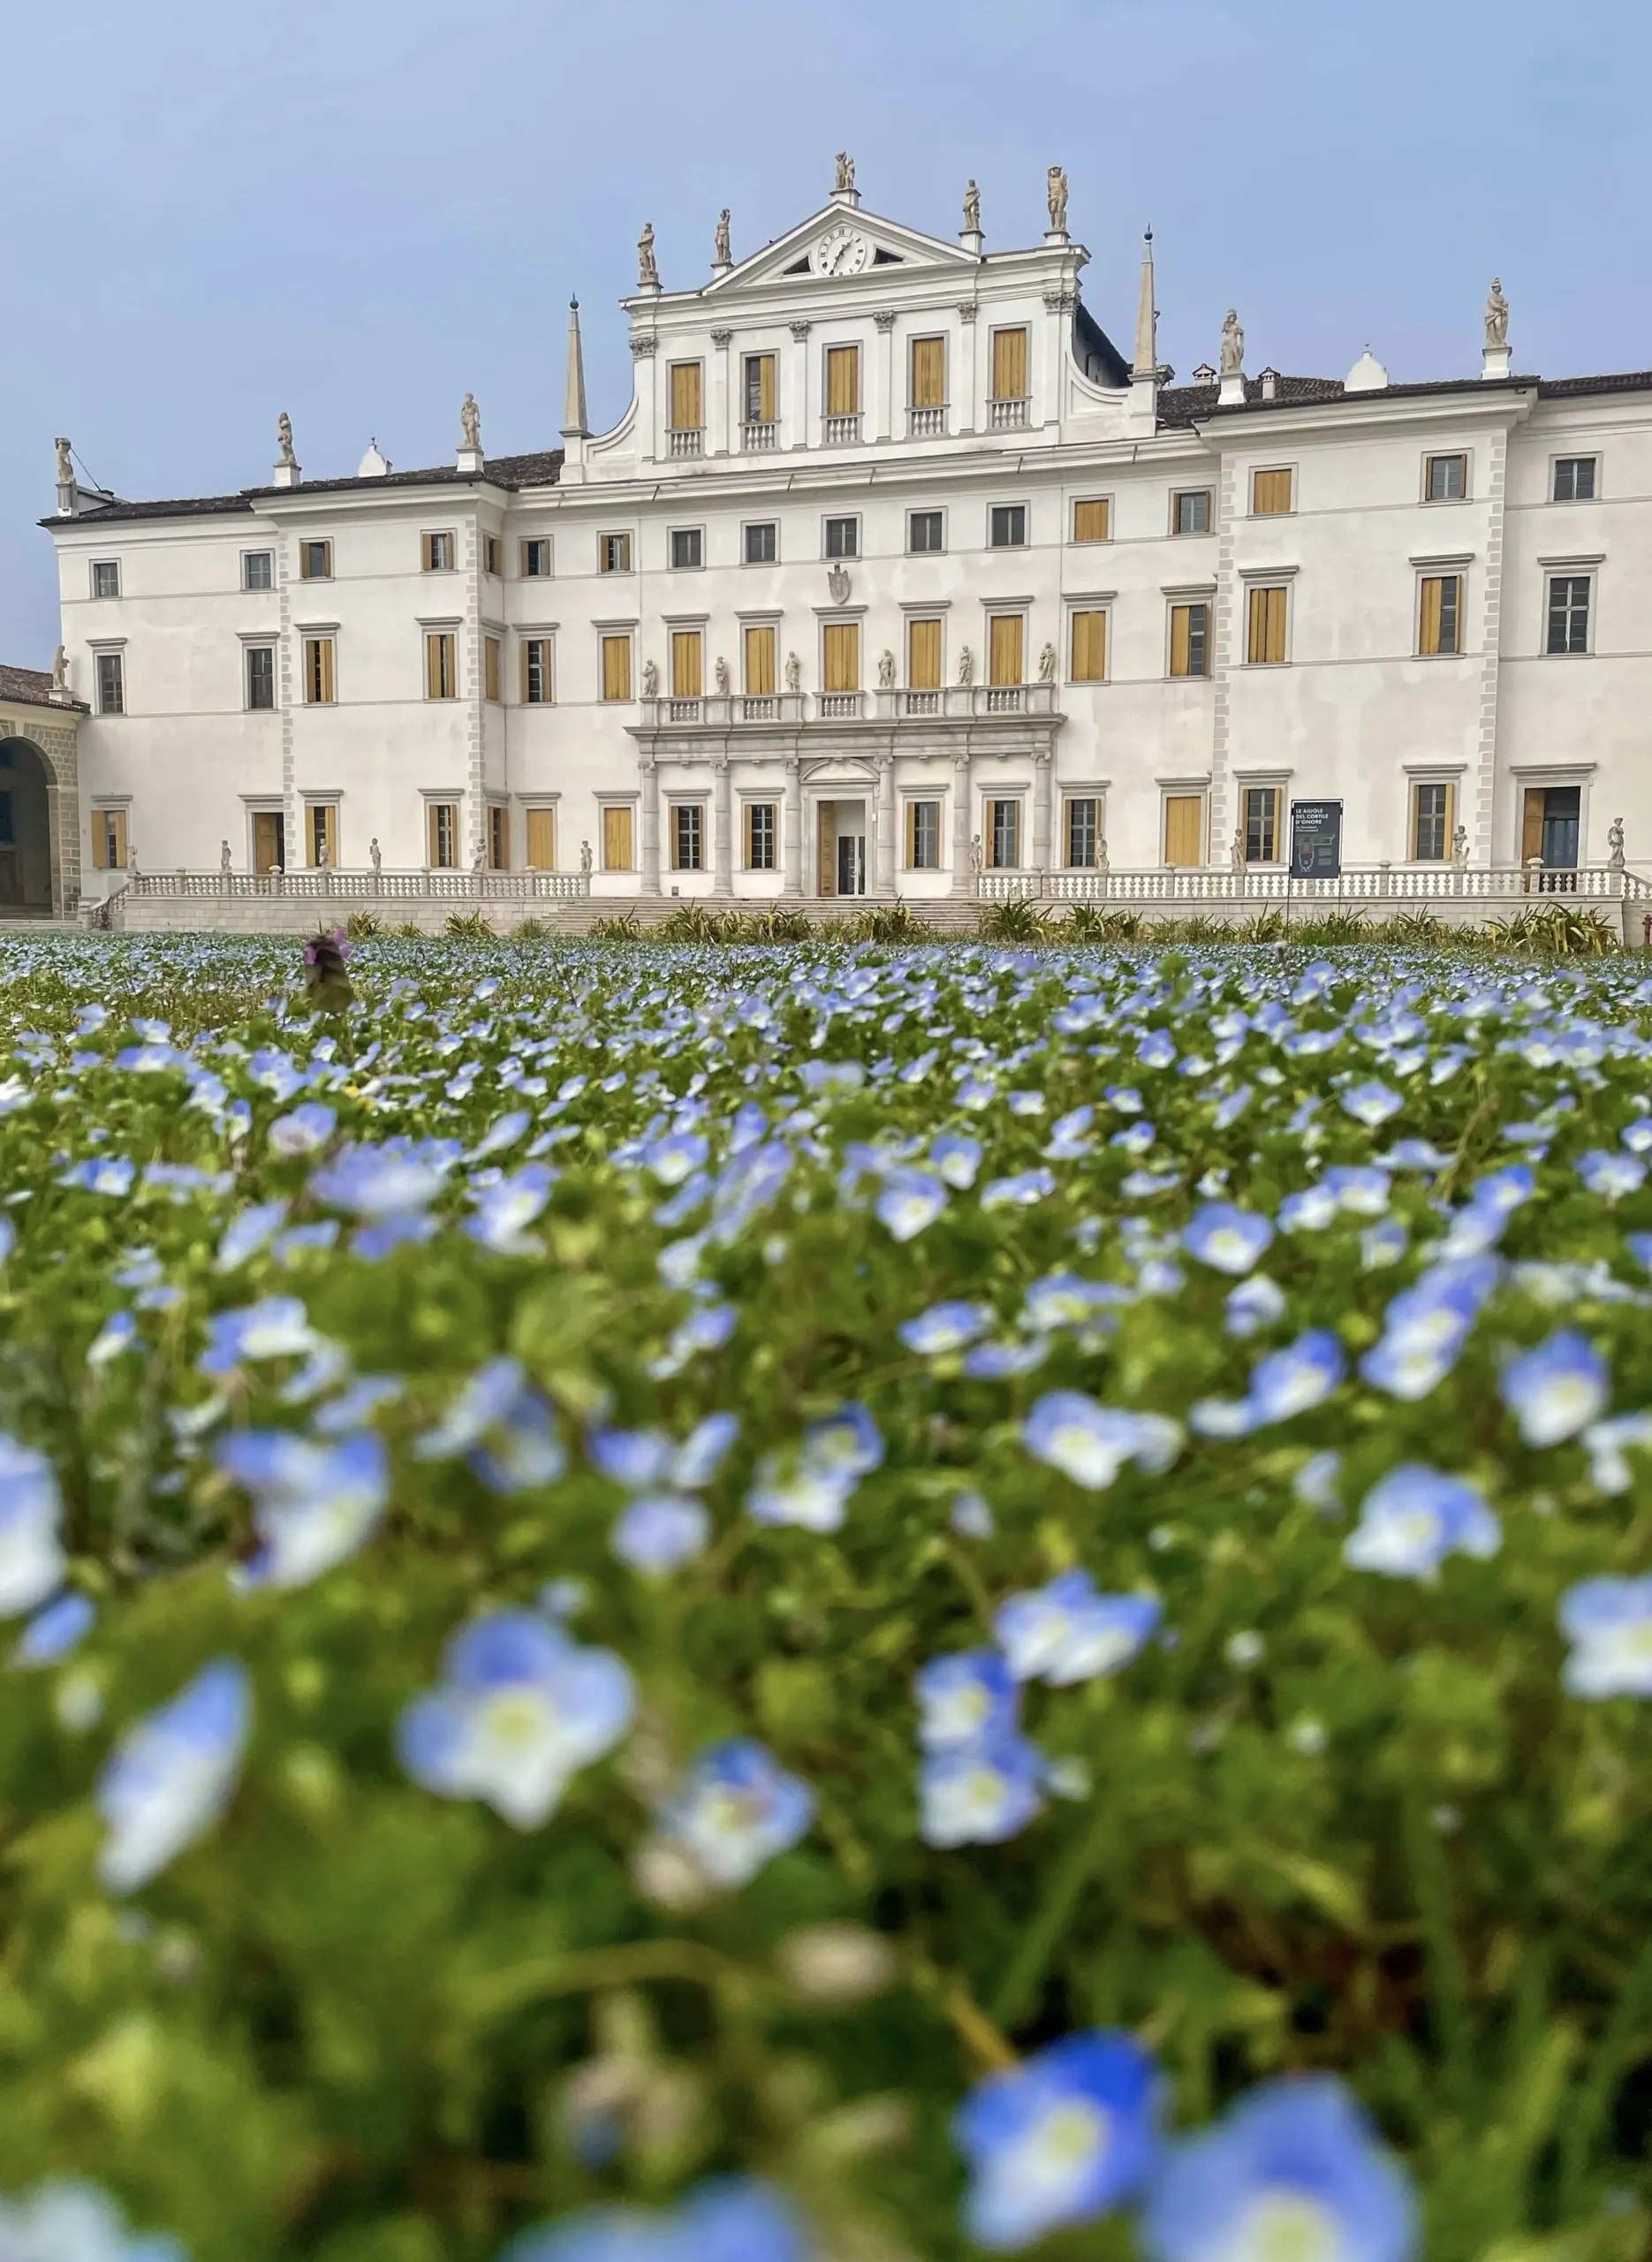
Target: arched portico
31	860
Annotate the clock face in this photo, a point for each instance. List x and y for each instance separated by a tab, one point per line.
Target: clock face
841	251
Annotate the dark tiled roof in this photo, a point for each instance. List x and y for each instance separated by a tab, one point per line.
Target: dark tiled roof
542	469
1187	404
1569	388
32	688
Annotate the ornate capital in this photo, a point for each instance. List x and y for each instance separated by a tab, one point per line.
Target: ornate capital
968	310
723	337
1060	302
885	321
642	347
800	330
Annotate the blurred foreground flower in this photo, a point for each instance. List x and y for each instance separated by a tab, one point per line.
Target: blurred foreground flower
31	1560
313	1506
1063	2138
75	2222
736	1809
1609	1623
172	1775
733	2219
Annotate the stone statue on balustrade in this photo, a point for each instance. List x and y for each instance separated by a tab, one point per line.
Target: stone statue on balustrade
794	673
65	467
977	856
1102	864
972	211
470	423
1496	315
966	665
724	255
60	673
226	860
721	677
1615	843
1233	345
1236	854
648	271
1047	665
585	858
886	671
1459	845
1057	190
284	440
375	855
650	680
479	862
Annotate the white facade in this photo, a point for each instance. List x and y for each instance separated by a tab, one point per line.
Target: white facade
1276	650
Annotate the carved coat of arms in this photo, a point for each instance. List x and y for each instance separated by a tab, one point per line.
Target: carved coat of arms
839	583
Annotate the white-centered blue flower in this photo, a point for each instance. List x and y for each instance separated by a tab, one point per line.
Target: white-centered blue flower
1371	1103
1609	1624
1607	1444
389	1188
1611	1174
967	1699
1557	1389
66	2222
1064	2137
732	2218
1254	1304
504	1429
735	1808
909	1201
32	1558
305	1132
277	1328
52	1634
1227	1238
972	1517
945	1327
313	1504
1090	1443
1300	1377
1020	1191
172	1774
957	1158
980	1793
1065	1632
1415	1517
659	1532
504	1210
520	1711
1426	1326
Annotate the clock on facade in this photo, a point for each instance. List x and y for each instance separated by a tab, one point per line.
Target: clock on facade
841	251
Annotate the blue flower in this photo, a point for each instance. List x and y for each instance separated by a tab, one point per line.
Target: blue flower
505	1429
172	1774
1227	1238
967	1698
502	1134
305	1132
1425	1327
1254	1304
730	2219
111	1174
54	1632
1064	2137
1413	1518
388	1187
1065	1632
957	1158
1371	1103
1557	1389
277	1328
1295	2168
993	1362
118	1333
944	1327
1020	1191
1091	1443
979	1793
1604	1443
65	2221
908	1201
246	1234
660	1531
971	1517
32	1560
1303	1375
1361	1189
1609	1624
847	1441
1610	1174
521	1710
736	1809
313	1506
676	1156
506	1209
1384	1244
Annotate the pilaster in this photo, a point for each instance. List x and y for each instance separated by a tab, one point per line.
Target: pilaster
644	352
1041	767
474	683
798	386
968	409
960	825
722	400
287	665
883	869
883	398
1482	829
650	772
722	828
792	829
1228	627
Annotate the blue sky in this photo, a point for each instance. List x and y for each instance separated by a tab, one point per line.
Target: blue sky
357	210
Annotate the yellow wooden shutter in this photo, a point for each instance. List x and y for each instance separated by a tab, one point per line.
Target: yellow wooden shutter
1091	520
1433	592
616	839
826	867
685	415
541	840
1005	650
766	410
928	372
842	381
433	833
1184	828
1265	645
616	667
319	653
1090	648
1181	639
1270	493
923	655
843	656
1532	824
912	834
491	668
1009	365
760	662
686	663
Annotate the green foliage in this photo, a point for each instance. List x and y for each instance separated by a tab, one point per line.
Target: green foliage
362	926
617	927
1013	921
889	923
471	925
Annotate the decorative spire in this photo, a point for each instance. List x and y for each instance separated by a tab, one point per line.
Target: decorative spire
575	425
1146	359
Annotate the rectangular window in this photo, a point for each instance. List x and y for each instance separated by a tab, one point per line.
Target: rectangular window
438	553
1009	365
442	835
760	662
258	569
1090	648
1271	494
492	555
1575	479
1190	511
686	676
1440	622
498	839
1265	643
109	840
923	836
1092	520
541	839
923	655
762	542
1007	526
688	548
1431	816
260	675
440	665
926	532
760	388
617	838
316	561
615	668
321	822
318	671
1190	640
536	686
537	558
1184	828
490	676
686	826
842	381
759	836
1004	835
1569	613
841	652
106	577
928	372
1262	824
843	537
1006	650
112	683
269	840
1083	832
1446	479
685	397
613	553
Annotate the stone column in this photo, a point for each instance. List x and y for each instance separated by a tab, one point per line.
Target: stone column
650	826
719	442
642	352
797	405
960	825
883	400
791	829
1042	796
883	871
722	828
964	387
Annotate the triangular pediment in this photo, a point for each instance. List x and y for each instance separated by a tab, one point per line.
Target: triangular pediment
840	243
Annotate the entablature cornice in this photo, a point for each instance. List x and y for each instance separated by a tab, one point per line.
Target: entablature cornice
1250	427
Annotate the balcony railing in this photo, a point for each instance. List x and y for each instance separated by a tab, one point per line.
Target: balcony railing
957	702
926	423
1358	884
841	431
760	707
683	710
689	443
922	703
329	886
758	439
839	706
1007	415
1003	698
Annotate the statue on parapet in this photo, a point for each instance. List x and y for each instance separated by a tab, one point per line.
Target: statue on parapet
972	211
648	271
1057	190
845	174
1615	843
470	423
1233	345
284	441
1496	315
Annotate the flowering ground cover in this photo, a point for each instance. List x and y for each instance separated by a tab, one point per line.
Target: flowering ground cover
824	1605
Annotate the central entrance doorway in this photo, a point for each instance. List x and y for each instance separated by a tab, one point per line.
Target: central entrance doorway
841	869
1550	823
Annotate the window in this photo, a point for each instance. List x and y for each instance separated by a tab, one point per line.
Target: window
616	839
926	531
1007	526
109	840
1440	623
491	685
438	553
613	553
442	835
843	537
260	675
1431	815
1090	648
759	388
536	558
440	665
762	542
923	836
1575	478
923	655
928	372
106	577
1009	365
498	839
687	820
1184	828
321	822
316	561
112	683
1083	832
842	381
841	652
1004	835
759	661
1190	511
1006	650
1569	613
1444	478
492	555
759	836
1092	521
318	671
541	839
688	548
685	397
258	569
1262	824
1190	640
1265	644
687	674
269	840
615	668
536	689
1271	494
